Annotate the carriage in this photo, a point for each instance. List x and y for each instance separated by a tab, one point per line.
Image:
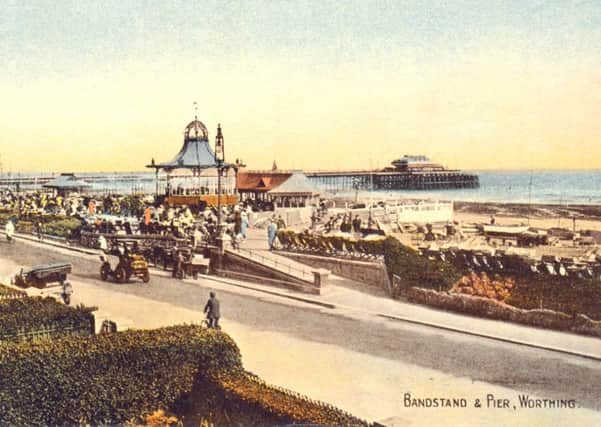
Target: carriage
129	265
40	276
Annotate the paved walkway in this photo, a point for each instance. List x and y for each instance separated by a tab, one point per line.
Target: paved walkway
353	296
368	386
347	298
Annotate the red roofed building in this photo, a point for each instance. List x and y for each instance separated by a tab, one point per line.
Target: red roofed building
255	184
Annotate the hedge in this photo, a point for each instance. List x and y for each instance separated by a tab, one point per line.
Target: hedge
66	227
21	318
55	225
563	294
416	270
238	397
107	378
255	395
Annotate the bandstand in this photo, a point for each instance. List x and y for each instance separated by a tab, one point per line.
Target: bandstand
197	174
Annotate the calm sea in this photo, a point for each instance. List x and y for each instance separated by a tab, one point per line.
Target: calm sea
557	187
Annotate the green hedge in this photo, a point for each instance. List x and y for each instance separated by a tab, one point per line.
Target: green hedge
107	378
240	398
66	227
564	294
417	270
31	314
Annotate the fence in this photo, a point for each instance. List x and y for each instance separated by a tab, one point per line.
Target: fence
307	400
283	266
45	332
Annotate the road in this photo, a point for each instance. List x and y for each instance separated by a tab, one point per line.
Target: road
360	363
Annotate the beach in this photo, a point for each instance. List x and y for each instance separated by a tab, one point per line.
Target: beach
546	216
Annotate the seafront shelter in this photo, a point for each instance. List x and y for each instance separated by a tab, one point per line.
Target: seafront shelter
297	191
256	185
196	174
66	183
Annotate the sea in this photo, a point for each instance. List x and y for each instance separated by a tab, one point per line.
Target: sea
513	186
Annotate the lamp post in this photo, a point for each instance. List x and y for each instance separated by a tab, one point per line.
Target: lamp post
219	160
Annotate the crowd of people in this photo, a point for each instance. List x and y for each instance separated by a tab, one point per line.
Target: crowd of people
345	223
128	215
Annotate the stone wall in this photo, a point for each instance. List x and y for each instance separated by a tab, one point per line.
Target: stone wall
242	268
485	307
370	273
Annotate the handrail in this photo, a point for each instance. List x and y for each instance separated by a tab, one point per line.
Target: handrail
266	260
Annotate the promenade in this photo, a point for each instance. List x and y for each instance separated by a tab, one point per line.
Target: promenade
337	347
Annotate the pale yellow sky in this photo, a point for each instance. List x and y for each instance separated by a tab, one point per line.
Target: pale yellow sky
479	103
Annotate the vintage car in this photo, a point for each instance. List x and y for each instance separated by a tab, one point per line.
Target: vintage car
129	265
40	276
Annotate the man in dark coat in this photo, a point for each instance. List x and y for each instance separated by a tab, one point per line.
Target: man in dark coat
212	311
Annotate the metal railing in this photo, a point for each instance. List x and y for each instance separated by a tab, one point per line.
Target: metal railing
284	266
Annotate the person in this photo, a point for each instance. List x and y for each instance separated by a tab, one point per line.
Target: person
178	264
272	231
357	224
147	216
281	224
67	291
212	311
244	225
9	229
492	220
196	237
38	230
102	244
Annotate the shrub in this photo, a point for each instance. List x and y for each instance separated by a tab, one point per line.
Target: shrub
107	378
564	294
238	397
416	270
65	227
21	318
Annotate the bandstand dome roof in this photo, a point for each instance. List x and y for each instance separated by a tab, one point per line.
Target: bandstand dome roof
196	153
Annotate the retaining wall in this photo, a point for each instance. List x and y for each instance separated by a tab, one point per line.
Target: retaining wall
242	268
485	307
370	273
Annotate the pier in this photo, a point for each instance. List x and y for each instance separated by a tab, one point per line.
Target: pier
393	180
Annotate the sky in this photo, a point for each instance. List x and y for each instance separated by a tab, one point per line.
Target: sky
106	86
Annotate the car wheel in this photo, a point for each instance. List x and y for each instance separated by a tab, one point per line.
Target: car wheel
105	271
121	275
